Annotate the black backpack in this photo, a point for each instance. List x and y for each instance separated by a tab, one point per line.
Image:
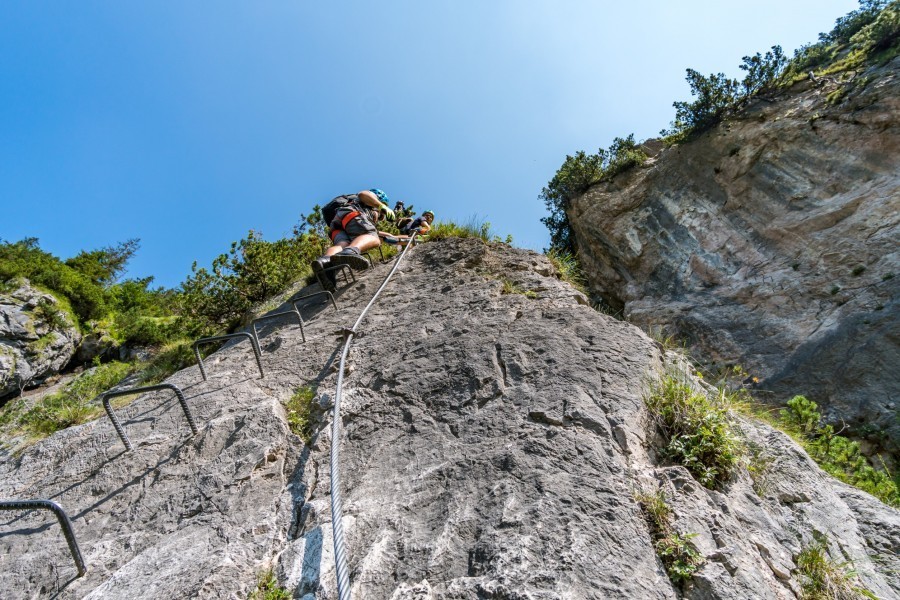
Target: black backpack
336	204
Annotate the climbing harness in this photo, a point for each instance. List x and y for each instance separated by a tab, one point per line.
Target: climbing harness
337	526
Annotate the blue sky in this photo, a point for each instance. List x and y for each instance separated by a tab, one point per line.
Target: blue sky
186	124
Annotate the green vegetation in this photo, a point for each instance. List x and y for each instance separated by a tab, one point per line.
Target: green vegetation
299	409
267	588
680	559
81	279
868	35
837	455
72	406
576	175
822	579
475	227
509	287
697	430
170	358
567	268
251	271
759	467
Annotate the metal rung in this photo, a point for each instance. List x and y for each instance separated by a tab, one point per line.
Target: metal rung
140	390
294	312
208	340
296	301
61	516
344	270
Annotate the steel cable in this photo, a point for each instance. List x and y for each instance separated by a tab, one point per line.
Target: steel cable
337	527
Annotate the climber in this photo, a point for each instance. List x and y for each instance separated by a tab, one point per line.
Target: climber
423	223
351	219
407	226
400	210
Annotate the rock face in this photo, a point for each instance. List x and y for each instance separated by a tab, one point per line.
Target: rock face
491	448
771	242
37	337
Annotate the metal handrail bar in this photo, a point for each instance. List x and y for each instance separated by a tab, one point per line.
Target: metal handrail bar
337	526
297	300
217	338
140	390
293	311
64	523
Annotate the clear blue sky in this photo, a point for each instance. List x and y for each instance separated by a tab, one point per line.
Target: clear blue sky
186	124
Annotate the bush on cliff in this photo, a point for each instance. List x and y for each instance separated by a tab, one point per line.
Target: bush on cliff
872	32
837	455
697	430
576	175
26	259
251	271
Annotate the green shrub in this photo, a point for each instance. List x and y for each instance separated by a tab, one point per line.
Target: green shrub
850	24
250	272
575	176
882	33
26	259
822	579
837	455
267	588
299	409
714	95
104	266
679	557
811	56
52	314
762	70
696	429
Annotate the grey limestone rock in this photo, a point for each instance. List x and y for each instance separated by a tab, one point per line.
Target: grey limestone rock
37	337
770	242
492	445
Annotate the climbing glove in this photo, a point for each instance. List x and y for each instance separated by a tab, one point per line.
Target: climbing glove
387	212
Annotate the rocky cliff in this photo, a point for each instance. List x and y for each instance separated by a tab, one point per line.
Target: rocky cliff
494	438
38	337
771	242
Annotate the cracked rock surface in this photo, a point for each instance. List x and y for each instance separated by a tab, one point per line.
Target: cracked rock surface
37	337
492	444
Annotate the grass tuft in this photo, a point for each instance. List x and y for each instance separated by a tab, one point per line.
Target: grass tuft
823	579
267	588
568	269
73	405
474	227
697	430
679	557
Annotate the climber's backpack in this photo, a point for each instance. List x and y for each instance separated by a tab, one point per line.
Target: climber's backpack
331	209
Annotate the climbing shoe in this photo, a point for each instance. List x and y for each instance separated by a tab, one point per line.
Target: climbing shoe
352	258
328	279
